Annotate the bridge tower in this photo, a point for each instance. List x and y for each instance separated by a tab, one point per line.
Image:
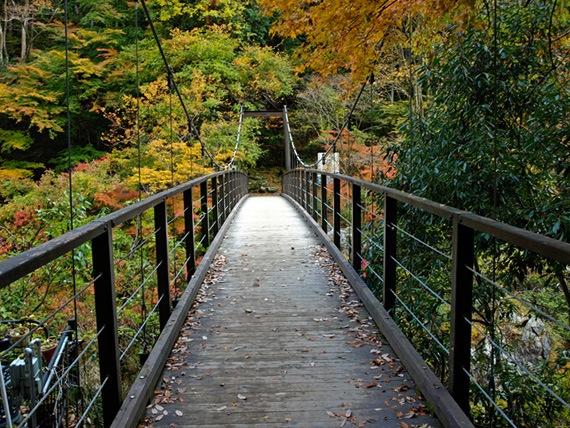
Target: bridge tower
286	130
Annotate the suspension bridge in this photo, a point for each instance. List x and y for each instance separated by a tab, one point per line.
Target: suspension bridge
294	310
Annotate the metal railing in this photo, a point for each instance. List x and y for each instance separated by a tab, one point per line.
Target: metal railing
110	296
442	284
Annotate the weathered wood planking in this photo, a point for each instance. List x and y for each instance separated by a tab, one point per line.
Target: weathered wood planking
270	345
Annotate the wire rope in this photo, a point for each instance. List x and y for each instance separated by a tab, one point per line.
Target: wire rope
332	147
70	172
371	118
140	239
494	354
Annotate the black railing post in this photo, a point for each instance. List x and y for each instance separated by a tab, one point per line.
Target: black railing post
298	186
227	195
306	176
222	199
162	272
315	209
390	245
234	189
106	314
324	209
336	211
229	192
190	236
461	311
215	205
356	227
206	216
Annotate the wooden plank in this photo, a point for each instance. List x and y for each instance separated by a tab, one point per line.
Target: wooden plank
277	332
133	408
446	409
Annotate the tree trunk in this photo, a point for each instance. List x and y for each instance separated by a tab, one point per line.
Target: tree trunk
2	43
24	47
24	43
3	50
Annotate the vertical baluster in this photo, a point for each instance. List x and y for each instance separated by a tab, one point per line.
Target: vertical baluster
324	209
356	227
234	189
106	314
336	211
227	195
215	205
206	217
163	271
222	197
300	187
189	242
461	310
314	207
390	241
307	186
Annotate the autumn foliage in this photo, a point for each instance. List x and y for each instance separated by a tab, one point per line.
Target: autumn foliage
348	35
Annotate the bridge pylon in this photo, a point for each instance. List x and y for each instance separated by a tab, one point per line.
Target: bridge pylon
286	131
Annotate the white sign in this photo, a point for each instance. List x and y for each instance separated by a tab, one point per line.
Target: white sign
330	163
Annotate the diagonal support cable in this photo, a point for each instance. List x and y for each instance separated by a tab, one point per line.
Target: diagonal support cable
333	144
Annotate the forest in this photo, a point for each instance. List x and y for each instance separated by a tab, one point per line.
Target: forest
467	104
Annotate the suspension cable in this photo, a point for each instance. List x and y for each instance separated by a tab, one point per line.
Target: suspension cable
371	116
69	166
333	144
494	354
139	239
172	81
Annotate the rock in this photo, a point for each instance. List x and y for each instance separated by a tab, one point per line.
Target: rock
254	186
272	190
262	189
534	343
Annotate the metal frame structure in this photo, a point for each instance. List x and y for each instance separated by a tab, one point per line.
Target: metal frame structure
228	188
300	186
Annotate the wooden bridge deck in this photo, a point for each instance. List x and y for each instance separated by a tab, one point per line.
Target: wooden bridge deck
279	340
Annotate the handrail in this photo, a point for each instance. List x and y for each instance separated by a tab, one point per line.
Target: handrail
302	185
227	189
537	243
24	263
